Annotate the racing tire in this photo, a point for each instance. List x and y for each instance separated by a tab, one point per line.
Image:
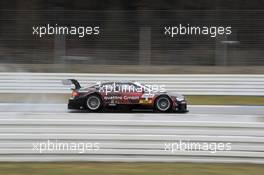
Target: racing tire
163	104
94	103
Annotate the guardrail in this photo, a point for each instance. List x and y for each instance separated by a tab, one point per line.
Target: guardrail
127	139
188	84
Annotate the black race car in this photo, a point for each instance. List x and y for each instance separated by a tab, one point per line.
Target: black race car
123	95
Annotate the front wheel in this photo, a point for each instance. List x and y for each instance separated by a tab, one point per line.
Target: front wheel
94	103
163	104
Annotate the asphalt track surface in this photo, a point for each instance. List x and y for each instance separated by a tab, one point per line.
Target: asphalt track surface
196	113
193	109
199	110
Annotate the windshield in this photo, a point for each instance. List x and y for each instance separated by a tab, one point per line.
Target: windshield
143	86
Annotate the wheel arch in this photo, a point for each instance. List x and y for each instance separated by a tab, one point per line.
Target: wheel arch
162	95
93	93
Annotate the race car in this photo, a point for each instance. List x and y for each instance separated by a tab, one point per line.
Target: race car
123	95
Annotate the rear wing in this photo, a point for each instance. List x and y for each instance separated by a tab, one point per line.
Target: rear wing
70	82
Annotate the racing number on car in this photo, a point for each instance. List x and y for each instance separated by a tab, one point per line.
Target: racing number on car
146	99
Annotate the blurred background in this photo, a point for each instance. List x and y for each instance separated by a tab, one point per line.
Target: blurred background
222	108
132	35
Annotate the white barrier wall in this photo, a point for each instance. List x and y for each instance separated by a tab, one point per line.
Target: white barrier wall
124	137
188	84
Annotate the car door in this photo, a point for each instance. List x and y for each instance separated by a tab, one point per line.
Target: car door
107	92
130	93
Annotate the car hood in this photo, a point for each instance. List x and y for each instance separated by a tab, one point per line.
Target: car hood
175	94
172	94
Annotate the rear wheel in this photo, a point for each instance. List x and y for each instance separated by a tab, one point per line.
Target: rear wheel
94	103
163	104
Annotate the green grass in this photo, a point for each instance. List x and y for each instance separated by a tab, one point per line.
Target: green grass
129	169
225	100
